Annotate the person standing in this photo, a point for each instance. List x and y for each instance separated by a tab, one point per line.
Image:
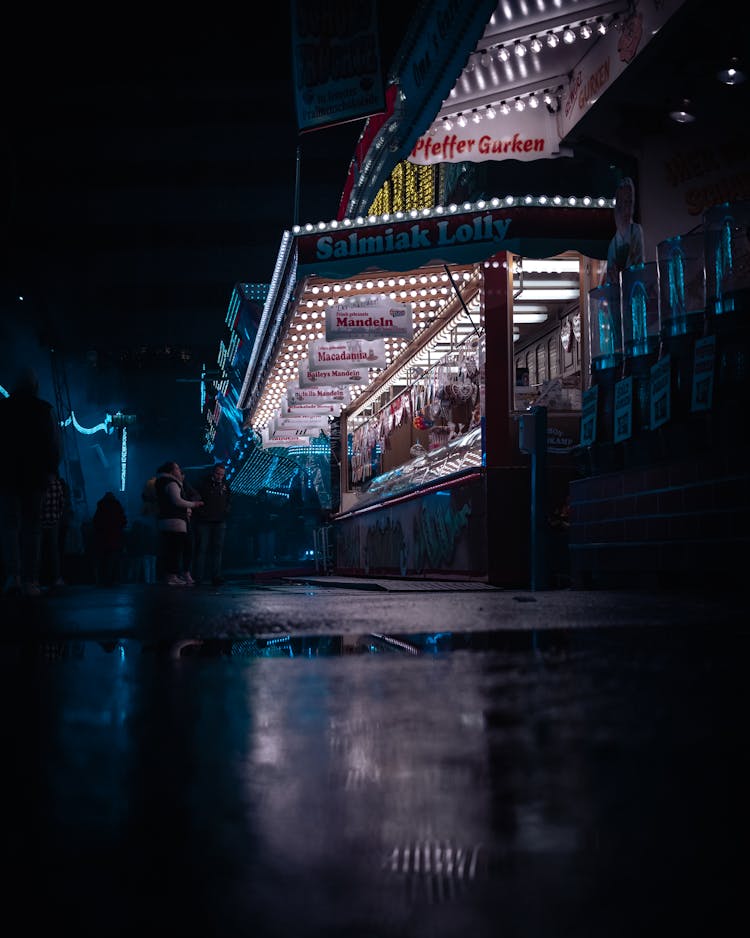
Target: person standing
172	522
150	512
140	550
188	557
626	246
211	524
266	519
109	523
29	427
54	506
64	528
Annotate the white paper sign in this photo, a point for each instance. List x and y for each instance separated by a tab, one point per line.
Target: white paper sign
370	316
703	374
320	395
358	352
314	407
287	422
309	377
660	392
268	440
623	409
588	415
283	433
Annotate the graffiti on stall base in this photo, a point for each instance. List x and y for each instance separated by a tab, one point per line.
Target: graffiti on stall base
385	547
436	531
348	548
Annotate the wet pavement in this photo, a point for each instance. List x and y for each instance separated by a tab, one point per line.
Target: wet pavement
305	758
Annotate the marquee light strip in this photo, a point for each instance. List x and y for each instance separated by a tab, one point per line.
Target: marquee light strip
508	201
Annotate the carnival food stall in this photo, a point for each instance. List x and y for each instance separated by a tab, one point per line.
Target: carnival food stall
415	343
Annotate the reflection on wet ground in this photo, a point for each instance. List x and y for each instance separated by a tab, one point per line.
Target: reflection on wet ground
547	643
311	646
429	785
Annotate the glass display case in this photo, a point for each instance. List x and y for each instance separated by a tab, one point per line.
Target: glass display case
640	309
605	326
682	284
727	235
439	465
426	427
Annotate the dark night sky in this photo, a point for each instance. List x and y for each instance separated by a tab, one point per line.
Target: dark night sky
147	166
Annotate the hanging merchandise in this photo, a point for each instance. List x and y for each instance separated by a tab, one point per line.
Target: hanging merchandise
566	334
421	420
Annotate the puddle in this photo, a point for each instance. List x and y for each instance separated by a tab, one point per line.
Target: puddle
550	642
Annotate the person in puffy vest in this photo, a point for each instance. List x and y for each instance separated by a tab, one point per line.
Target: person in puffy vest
172	522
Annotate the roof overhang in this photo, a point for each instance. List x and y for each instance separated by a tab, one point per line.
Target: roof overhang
387	254
476	79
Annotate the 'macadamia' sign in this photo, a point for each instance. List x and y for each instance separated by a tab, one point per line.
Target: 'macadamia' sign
347	352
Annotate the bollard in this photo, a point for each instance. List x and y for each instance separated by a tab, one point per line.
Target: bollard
532	439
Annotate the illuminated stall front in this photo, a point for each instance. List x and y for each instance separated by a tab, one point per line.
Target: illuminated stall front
397	337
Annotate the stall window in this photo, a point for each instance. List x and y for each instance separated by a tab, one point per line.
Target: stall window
531	365
553	357
541	363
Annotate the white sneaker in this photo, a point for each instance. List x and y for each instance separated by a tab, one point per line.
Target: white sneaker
174	580
189	581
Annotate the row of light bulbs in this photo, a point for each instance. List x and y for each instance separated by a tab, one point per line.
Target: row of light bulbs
477	115
520	47
382	282
535	44
437	211
287	363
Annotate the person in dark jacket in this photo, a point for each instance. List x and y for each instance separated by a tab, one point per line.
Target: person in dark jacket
188	558
211	524
31	438
109	523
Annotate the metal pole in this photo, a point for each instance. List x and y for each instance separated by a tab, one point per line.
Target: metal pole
296	187
458	294
539	572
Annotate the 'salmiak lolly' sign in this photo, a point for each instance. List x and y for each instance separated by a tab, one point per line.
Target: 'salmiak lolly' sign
420	235
556	227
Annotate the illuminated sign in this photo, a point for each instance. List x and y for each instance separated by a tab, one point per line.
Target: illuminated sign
369	317
347	352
